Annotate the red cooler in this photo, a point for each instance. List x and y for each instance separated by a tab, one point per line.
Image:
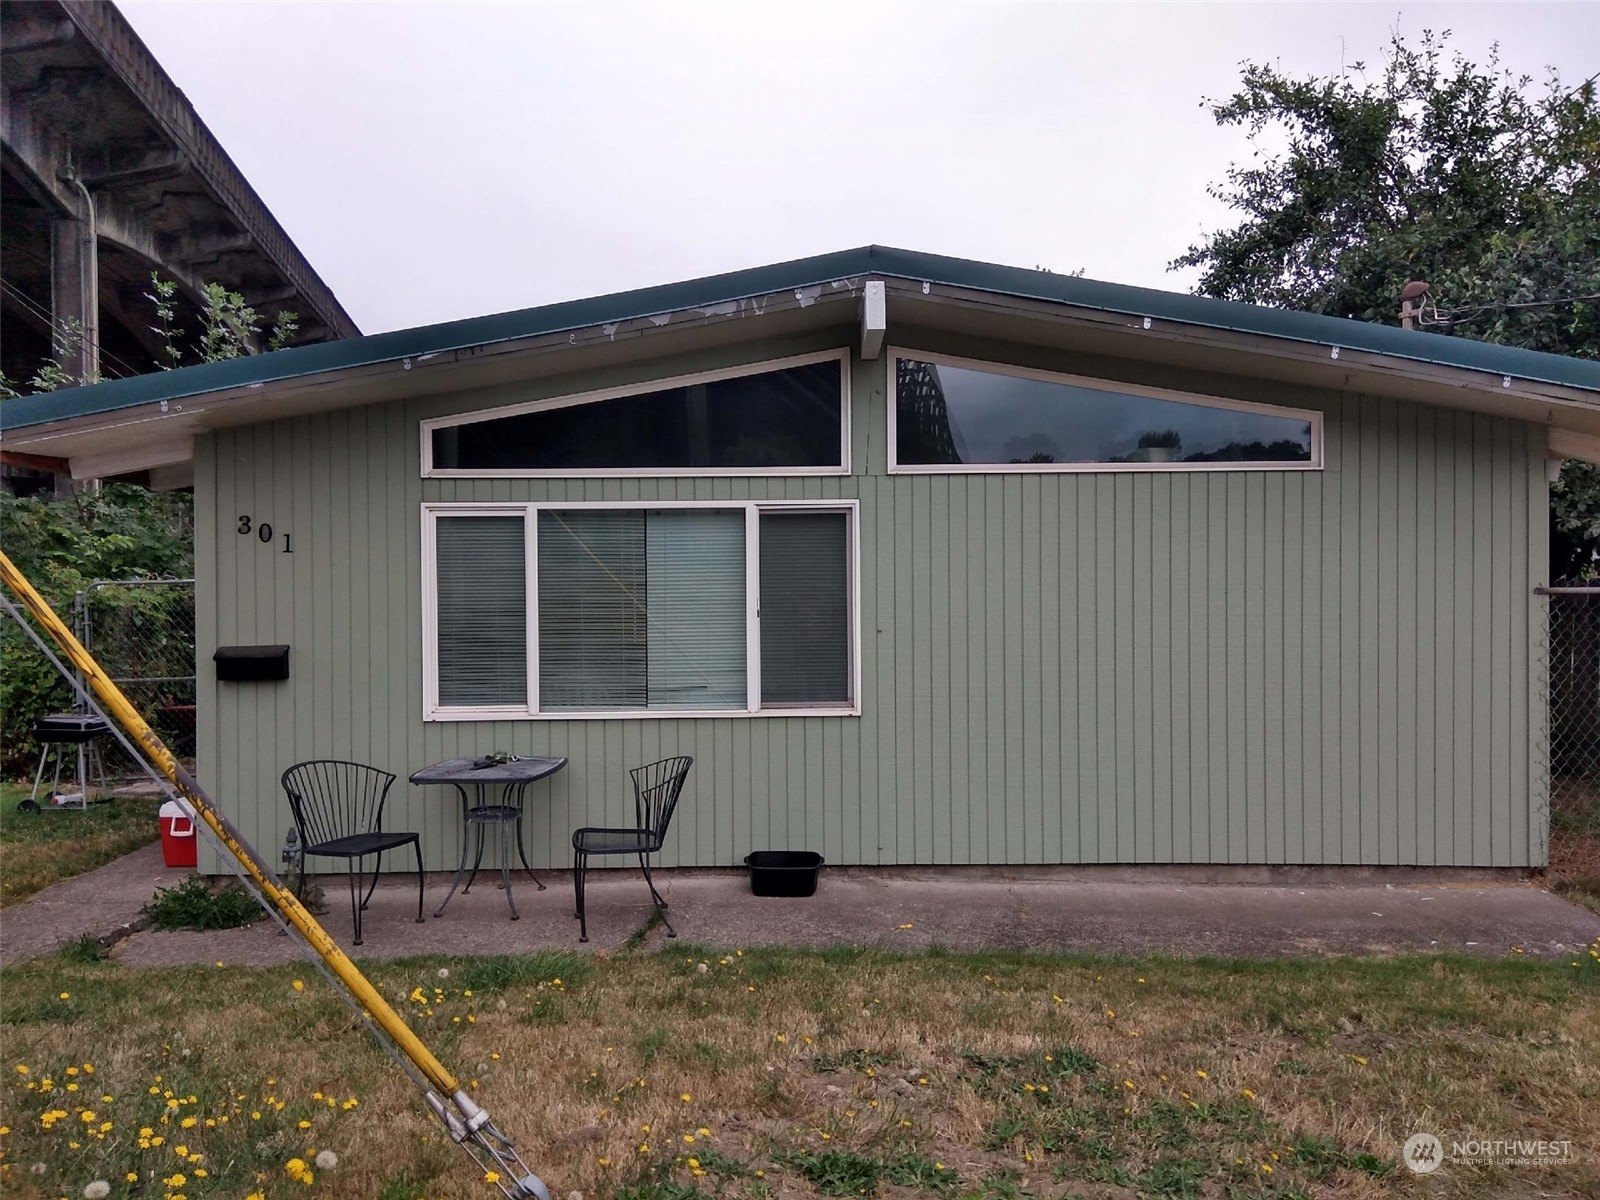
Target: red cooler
178	841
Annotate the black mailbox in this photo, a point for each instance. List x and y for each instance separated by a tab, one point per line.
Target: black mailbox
251	664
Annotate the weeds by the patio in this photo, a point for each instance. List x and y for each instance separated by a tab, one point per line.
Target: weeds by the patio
38	849
771	1075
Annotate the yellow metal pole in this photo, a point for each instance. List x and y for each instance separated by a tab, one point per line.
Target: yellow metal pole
117	706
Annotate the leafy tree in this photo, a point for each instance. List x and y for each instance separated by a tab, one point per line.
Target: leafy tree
1439	169
62	545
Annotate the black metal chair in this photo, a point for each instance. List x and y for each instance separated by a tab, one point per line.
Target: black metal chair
656	789
338	810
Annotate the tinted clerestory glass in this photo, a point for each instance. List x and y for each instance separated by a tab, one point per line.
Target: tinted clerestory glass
951	416
790	417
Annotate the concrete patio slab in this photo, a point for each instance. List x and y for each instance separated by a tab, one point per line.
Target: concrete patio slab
960	911
103	903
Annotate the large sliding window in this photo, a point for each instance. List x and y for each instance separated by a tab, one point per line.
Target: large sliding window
605	610
785	417
951	414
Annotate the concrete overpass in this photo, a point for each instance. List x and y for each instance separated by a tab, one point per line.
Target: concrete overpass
109	173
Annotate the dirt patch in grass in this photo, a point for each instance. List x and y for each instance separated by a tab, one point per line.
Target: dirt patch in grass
788	1076
38	849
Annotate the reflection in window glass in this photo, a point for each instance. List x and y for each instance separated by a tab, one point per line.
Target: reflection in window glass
947	416
641	609
785	418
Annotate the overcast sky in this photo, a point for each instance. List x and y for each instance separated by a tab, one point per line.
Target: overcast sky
436	161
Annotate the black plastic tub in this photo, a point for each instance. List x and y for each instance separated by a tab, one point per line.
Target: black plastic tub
783	872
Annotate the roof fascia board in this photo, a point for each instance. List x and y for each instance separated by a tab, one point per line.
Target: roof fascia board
1208	312
1348	360
596	318
425	366
1564	443
809	280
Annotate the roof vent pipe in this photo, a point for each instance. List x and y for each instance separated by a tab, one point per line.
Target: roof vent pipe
1411	302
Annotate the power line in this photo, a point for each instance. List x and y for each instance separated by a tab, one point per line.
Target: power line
63	330
1471	312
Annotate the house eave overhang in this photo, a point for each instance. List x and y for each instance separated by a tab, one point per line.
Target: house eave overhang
159	412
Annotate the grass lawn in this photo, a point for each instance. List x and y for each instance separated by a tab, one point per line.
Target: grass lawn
38	849
779	1075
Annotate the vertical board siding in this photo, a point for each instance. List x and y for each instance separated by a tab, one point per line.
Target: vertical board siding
1231	667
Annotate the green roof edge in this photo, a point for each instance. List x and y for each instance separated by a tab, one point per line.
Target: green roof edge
257	370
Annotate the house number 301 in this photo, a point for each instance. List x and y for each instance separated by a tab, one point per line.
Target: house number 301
263	533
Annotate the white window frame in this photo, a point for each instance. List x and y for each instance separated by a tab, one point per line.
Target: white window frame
432	710
841	356
1103	385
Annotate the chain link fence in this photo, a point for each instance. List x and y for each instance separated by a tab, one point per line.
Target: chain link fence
1572	675
142	633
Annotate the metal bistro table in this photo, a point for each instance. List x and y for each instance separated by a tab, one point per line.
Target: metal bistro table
514	776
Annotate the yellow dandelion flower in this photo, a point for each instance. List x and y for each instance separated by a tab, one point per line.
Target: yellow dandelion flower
66	996
491	1176
1247	1093
298	985
1202	1075
686	1097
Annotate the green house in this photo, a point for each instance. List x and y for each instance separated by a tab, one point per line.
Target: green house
923	560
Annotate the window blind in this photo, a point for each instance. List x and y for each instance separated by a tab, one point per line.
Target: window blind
594	600
696	642
805	608
483	611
